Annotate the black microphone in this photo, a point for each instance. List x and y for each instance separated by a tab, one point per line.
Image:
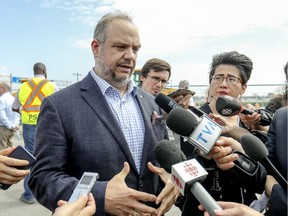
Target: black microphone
186	174
201	133
167	104
167	153
230	106
256	149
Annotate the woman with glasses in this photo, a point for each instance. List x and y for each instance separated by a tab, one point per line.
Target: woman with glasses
229	74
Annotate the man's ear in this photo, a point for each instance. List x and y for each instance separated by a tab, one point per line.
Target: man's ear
95	45
142	78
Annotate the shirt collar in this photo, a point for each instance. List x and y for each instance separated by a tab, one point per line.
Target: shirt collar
104	85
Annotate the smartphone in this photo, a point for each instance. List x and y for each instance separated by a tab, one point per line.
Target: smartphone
20	153
84	186
178	92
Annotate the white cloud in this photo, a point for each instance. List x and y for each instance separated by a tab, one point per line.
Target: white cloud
189	32
4	68
81	43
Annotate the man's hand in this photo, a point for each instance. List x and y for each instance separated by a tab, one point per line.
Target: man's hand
121	200
251	120
221	152
232	209
9	174
14	129
270	182
183	101
83	206
230	125
169	194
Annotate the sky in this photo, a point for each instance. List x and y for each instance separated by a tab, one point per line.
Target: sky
185	33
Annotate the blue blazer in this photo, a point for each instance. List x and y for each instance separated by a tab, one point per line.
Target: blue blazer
277	147
77	132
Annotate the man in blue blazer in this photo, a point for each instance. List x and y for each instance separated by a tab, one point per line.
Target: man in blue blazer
104	124
277	147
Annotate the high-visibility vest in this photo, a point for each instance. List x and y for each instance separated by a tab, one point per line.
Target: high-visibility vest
31	95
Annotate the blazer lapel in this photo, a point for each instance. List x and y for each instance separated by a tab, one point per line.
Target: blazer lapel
92	94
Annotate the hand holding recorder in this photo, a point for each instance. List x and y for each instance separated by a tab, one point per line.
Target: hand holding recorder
83	206
84	185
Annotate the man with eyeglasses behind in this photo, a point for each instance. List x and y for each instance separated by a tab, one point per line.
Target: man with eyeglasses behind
155	75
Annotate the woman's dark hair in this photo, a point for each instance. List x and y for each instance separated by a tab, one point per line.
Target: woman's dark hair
241	61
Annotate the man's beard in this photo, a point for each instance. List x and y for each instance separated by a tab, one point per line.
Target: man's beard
109	75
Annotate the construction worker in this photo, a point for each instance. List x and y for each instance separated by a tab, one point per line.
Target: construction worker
27	102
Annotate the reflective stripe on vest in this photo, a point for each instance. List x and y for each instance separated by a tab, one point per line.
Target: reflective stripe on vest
31	95
35	92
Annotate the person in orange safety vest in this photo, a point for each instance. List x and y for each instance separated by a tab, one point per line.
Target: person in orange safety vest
27	102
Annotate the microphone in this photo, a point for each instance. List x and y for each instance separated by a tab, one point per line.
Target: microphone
186	175
167	104
230	106
167	154
256	149
202	133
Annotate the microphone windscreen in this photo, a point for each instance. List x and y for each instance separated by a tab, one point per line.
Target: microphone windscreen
165	102
181	121
254	147
228	106
168	154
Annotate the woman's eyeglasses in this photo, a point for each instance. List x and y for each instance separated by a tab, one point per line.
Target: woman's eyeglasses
230	80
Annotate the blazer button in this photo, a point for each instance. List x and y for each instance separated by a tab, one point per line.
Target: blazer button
141	183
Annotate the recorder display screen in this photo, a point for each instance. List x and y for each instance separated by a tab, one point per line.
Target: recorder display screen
86	180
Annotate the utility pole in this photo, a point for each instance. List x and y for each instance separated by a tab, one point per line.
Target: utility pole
77	76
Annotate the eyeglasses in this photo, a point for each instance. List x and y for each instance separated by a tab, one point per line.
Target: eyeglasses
157	80
230	80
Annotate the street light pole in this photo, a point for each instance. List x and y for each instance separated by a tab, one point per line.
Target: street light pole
77	75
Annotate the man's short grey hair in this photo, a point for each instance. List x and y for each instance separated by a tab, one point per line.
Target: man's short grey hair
6	86
100	30
184	84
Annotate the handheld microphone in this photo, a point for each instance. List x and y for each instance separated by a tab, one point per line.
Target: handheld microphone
229	106
202	134
167	154
186	174
256	149
167	104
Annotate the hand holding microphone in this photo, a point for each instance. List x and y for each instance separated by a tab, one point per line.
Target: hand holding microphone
198	129
256	149
167	104
202	134
230	106
186	175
